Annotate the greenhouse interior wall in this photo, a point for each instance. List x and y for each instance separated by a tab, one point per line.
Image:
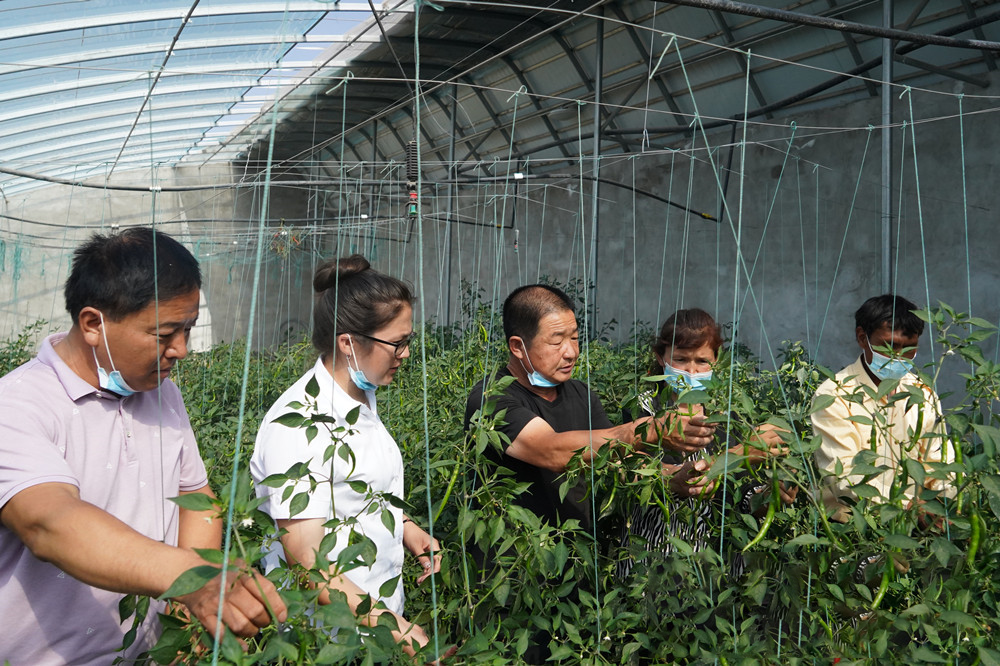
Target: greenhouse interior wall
806	209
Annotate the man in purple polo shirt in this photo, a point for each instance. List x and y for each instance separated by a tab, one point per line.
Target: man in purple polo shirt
94	439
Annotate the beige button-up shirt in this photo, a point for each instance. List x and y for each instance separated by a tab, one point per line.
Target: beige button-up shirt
902	429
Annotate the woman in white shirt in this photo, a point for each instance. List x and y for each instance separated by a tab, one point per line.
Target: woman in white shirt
362	327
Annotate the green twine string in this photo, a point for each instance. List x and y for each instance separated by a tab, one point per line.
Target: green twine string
417	103
965	202
586	356
920	206
241	418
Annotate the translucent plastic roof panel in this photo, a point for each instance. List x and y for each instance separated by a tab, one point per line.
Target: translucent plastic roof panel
99	82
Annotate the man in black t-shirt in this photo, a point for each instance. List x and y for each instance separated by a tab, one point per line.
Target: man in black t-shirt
551	416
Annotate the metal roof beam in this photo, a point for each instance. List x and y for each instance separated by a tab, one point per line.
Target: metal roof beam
644	56
522	79
799	18
970	11
727	34
852	48
447	112
951	74
497	125
427	137
585	77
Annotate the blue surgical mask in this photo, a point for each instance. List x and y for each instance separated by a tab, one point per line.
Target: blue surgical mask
535	378
113	382
357	374
884	367
680	380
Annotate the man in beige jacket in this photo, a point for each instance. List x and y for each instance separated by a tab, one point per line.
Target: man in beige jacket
878	404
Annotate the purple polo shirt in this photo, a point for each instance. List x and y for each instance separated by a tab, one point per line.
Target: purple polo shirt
126	455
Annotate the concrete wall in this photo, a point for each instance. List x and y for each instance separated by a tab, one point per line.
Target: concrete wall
804	203
217	221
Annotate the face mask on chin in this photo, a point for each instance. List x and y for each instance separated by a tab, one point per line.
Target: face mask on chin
535	378
113	382
884	367
357	374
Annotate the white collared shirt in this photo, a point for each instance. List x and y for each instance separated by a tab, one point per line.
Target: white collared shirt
845	427
376	461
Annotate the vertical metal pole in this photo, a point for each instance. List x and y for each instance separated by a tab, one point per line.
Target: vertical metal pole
451	193
887	95
598	91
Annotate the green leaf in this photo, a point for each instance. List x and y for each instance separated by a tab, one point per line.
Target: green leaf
990	436
944	550
901	541
989	657
924	655
502	592
194	502
981	323
960	618
758	591
917	609
821	402
990	483
291	419
298	504
352	416
327	543
389	521
806	540
232	649
312	387
211	555
915	469
336	653
360	487
866	491
275	480
388	588
190	581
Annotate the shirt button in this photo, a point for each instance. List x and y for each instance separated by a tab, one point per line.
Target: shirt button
129	435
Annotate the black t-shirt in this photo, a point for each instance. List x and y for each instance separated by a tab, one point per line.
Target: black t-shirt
576	407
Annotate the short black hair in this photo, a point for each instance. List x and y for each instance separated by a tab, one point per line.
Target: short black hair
889	309
526	305
122	273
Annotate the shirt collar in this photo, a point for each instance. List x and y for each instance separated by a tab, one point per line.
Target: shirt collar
76	387
860	372
342	401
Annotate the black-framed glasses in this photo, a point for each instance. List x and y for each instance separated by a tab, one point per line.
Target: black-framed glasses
398	348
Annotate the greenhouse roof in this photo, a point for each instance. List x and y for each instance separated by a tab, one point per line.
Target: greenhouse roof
94	88
91	88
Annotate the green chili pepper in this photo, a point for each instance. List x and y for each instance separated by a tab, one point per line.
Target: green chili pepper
883	587
974	536
447	494
772	508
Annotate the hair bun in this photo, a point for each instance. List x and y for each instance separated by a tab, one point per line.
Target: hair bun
338	270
